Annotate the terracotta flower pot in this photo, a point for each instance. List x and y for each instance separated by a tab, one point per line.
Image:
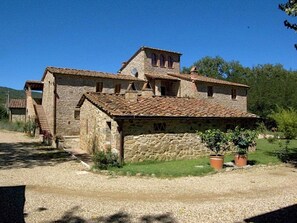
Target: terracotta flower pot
240	160
216	161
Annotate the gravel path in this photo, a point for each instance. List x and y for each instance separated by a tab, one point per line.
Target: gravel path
59	189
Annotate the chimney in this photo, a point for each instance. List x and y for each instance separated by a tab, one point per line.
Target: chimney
194	70
124	63
131	94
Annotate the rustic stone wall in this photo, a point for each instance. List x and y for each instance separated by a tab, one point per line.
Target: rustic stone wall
48	99
178	140
148	68
95	133
17	114
70	90
222	95
138	63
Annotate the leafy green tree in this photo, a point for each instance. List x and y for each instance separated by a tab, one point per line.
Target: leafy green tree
291	9
286	120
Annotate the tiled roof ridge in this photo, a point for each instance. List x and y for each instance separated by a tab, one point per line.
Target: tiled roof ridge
202	78
78	70
90	73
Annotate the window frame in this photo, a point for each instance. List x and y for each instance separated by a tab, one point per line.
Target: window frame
233	94
170	62
154	60
117	88
99	87
162	60
210	91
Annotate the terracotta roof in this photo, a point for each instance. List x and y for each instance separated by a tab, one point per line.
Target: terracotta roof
162	77
116	105
35	85
200	78
143	48
88	73
17	103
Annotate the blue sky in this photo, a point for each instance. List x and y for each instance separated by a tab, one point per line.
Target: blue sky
100	35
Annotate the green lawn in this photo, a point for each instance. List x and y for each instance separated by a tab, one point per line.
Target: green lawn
266	153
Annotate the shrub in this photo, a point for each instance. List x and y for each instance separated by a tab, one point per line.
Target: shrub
242	139
215	140
105	159
286	120
30	127
3	112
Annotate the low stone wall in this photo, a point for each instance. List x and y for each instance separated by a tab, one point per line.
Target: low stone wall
163	146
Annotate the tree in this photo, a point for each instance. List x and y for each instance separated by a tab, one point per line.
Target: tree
286	120
291	9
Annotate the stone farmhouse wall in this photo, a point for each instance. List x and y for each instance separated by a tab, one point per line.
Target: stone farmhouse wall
143	63
153	139
17	114
138	63
69	90
148	68
95	133
48	99
178	141
222	95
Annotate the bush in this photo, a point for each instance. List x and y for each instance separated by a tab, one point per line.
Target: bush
242	139
286	120
215	140
30	127
12	126
3	112
105	159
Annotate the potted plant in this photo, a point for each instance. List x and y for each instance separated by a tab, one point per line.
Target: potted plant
242	140
217	141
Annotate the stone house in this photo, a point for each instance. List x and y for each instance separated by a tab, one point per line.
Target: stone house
147	109
17	110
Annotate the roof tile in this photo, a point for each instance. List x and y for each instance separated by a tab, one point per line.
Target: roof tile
17	103
117	105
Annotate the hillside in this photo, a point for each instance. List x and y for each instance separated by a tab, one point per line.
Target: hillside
14	94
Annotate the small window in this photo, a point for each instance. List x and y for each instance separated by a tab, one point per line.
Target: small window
154	59
99	86
117	88
162	60
170	62
76	114
233	93
163	90
159	127
210	91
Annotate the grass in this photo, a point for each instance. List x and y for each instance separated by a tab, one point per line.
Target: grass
266	153
12	126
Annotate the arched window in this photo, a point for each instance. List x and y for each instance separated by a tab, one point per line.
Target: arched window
162	60
170	62
154	59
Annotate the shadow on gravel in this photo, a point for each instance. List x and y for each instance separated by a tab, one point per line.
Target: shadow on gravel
12	202
282	215
119	217
28	155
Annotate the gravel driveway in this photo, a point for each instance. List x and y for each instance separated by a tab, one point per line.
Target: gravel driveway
59	189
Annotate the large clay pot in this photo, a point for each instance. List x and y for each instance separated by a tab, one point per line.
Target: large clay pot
216	161
240	160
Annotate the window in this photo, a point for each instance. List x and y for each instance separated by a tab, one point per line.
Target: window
159	127
76	114
210	91
154	59
163	90
99	86
233	93
117	88
162	60
170	62
108	132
